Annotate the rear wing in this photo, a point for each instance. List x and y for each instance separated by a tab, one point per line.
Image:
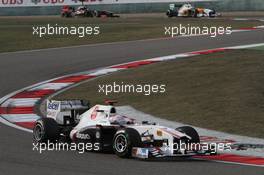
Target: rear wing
66	111
175	6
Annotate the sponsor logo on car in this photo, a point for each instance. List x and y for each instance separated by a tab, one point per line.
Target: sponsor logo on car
94	113
82	136
53	105
140	153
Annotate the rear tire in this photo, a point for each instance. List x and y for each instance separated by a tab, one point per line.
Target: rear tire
168	14
46	129
190	131
124	140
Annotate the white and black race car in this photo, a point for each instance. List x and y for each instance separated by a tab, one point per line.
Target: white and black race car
187	10
66	121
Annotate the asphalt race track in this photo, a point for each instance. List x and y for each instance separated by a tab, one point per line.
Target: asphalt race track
22	69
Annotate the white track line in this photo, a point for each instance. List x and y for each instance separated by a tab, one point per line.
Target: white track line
20	102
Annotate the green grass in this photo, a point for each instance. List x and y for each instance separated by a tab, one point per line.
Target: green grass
16	32
258	48
221	91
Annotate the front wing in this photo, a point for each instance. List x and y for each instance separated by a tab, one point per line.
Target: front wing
155	153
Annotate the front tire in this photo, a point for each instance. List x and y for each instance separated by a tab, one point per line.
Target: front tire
124	140
45	129
190	131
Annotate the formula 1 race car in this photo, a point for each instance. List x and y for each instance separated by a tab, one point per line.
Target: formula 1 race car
83	11
66	121
187	10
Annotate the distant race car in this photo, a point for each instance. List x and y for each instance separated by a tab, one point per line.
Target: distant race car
83	11
66	121
187	10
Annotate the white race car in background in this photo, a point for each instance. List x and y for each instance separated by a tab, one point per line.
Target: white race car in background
66	121
187	10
